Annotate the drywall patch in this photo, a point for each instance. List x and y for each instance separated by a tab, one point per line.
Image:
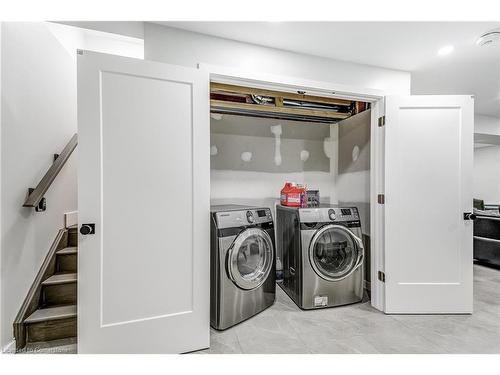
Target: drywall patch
213	150
246	156
328	147
276	130
304	155
355	153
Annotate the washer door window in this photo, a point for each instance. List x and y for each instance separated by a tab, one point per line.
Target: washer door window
250	258
335	252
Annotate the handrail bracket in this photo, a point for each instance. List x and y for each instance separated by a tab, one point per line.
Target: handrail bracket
42	204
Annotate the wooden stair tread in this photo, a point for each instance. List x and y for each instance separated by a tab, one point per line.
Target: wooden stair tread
52	313
68	251
60	278
59	346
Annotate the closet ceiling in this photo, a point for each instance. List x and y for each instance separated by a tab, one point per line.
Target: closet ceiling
409	46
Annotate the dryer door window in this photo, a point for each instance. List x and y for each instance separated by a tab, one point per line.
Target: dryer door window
251	258
335	252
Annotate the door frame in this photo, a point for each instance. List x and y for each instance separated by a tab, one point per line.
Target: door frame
222	74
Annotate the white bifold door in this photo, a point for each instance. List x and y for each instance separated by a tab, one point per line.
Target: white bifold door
143	190
428	195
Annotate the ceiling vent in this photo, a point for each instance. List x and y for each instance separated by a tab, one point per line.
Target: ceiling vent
489	38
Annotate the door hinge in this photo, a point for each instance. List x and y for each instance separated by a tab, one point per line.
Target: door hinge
381	276
381	199
381	121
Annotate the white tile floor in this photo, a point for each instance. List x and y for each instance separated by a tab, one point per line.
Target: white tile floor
284	328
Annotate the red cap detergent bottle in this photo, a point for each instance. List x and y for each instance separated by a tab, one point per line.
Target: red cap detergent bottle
293	195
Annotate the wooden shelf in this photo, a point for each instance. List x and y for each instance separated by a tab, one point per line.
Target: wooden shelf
238	100
222	87
220	104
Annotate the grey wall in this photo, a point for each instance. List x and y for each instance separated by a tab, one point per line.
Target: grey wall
353	178
340	179
354	134
233	135
259	181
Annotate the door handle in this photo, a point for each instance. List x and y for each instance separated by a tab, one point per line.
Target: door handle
469	216
87	229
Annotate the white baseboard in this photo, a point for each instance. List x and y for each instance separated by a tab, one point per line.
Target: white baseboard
10	348
70	218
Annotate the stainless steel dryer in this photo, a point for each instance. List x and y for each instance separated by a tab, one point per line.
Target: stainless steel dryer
322	254
242	278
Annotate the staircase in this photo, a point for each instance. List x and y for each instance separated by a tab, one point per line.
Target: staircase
49	311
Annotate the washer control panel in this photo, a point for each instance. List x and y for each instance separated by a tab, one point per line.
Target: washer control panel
251	216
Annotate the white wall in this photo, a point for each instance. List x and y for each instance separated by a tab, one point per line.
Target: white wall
2	343
133	29
487	158
486	125
38	70
38	119
182	47
487	174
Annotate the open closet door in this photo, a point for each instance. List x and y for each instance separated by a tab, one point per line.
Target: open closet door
143	183
428	190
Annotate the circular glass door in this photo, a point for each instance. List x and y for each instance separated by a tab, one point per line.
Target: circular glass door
250	258
334	252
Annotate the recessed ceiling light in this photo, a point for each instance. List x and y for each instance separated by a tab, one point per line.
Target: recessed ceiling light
446	50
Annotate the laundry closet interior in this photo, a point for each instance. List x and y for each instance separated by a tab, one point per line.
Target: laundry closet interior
261	138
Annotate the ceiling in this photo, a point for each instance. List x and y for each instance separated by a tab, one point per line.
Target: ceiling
409	46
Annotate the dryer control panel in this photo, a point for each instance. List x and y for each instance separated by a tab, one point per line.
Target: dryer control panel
328	214
240	218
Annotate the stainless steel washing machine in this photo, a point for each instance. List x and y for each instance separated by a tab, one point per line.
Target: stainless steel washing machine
243	269
322	254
